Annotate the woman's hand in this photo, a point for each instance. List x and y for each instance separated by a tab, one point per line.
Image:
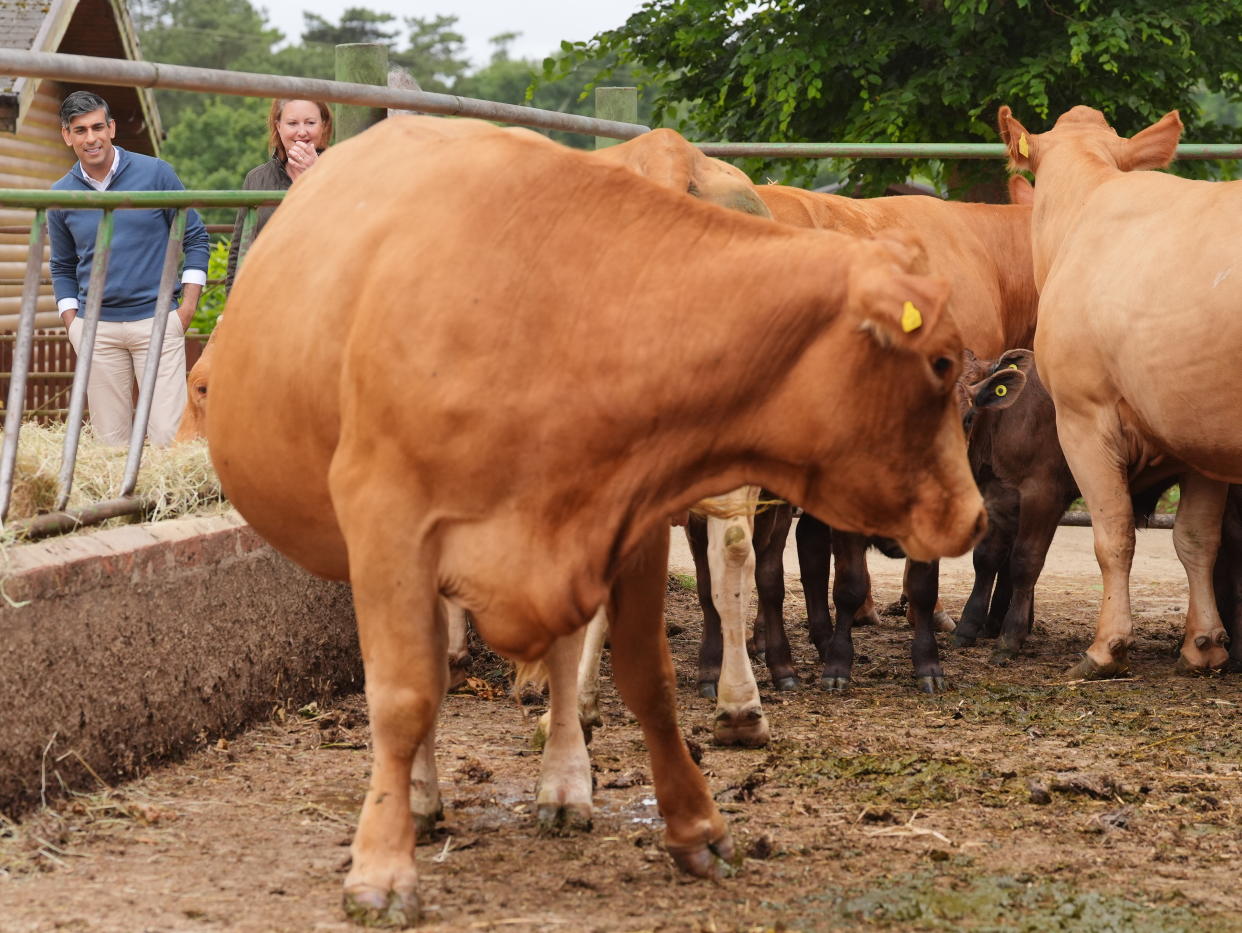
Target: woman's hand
302	156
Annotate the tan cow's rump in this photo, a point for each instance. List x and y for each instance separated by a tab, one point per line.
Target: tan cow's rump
503	364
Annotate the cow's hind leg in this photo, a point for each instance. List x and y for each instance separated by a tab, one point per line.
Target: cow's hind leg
563	800
922	581
588	673
695	834
402	633
1092	449
1227	577
425	805
1196	538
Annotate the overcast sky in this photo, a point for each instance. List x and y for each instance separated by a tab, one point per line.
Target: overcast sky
542	23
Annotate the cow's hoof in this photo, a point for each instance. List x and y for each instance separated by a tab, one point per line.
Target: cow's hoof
459	672
714	860
748	728
931	684
386	910
834	684
942	623
707	689
563	819
540	736
1206	653
863	619
964	641
786	683
1090	669
1003	654
589	717
425	823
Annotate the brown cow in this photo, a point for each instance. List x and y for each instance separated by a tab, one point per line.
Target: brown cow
984	250
1136	266
502	403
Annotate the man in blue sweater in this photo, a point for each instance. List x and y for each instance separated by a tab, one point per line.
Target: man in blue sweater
138	243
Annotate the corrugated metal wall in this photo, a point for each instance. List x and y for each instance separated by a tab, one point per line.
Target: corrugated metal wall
34	158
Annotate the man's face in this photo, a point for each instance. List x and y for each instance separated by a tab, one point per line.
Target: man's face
90	136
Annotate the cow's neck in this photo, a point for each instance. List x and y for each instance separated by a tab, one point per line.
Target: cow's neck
1065	182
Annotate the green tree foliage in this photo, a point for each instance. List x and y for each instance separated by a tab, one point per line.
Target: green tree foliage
925	71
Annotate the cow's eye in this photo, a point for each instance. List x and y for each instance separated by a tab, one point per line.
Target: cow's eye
942	365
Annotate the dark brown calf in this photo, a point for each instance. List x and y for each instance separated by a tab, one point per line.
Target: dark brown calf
1228	577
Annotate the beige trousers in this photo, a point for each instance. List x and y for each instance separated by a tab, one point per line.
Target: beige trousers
119	360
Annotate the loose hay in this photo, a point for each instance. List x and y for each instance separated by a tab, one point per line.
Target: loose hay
177	480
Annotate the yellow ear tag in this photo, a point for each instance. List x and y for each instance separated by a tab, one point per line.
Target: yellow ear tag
1012	366
911	319
1024	147
1001	391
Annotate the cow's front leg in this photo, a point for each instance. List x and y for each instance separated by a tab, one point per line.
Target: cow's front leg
814	540
711	648
922	581
695	834
850	588
402	633
563	800
1196	538
731	558
1041	509
771	533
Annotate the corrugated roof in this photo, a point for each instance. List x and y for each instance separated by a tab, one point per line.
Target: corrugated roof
20	21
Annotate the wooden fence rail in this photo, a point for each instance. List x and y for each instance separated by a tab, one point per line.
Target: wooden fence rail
51	371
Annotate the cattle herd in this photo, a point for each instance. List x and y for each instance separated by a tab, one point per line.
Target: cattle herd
510	365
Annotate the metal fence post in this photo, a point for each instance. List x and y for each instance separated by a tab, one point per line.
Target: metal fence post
359	63
615	103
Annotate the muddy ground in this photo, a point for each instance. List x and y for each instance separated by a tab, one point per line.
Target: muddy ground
1011	802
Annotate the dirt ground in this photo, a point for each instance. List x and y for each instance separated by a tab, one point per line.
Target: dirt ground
1013	801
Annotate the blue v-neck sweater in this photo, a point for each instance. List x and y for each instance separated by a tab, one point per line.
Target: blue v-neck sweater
139	238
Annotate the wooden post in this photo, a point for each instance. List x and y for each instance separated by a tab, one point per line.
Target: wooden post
359	63
615	103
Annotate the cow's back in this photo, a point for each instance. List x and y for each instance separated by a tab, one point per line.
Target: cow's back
983	249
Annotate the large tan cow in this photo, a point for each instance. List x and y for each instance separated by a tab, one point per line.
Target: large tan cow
506	366
1140	277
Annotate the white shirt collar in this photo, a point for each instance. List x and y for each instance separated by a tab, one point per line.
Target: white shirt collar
107	179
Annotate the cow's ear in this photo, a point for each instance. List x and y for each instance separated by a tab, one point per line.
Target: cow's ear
1017	140
1021	360
1153	147
999	390
1021	191
900	308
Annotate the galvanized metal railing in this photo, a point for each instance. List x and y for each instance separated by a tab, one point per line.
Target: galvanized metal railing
125	502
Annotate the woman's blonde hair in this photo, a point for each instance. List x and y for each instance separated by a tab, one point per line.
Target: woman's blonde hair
273	125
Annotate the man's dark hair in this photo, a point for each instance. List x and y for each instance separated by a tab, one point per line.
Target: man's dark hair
80	102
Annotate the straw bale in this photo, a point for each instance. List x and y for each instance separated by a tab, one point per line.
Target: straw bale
179	480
